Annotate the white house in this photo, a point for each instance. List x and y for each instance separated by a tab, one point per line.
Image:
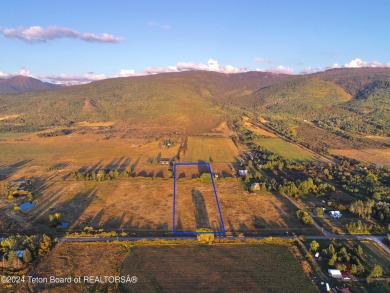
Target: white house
242	172
335	274
335	214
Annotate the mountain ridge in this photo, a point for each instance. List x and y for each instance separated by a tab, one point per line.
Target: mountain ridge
20	83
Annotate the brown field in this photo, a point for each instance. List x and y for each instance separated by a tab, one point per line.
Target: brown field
146	205
196	206
178	268
134	204
29	155
95	124
257	129
375	156
379	138
318	137
9	117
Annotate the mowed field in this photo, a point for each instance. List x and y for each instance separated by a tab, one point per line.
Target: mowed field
210	149
178	268
286	149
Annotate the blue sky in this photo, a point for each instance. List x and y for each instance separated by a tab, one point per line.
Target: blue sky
87	40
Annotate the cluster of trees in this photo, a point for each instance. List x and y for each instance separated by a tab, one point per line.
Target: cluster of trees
54	220
316	187
34	246
55	133
100	175
381	212
21	128
360	228
204	236
354	123
92	232
305	217
343	256
363	208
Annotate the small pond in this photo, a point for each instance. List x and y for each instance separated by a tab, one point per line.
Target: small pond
26	206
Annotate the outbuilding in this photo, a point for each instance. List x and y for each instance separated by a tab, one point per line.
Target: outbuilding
335	274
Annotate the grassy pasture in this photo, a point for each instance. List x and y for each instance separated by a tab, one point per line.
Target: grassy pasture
29	155
215	149
286	149
146	205
178	268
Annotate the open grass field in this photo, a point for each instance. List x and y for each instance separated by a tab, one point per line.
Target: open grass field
210	149
375	156
384	139
286	149
146	205
196	206
179	268
30	155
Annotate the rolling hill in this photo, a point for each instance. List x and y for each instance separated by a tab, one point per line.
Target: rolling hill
21	83
185	101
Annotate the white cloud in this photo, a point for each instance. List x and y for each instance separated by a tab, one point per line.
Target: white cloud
358	63
212	65
38	34
158	25
263	60
279	70
126	72
3	74
354	63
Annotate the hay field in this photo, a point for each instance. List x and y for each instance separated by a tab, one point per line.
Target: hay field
210	149
286	149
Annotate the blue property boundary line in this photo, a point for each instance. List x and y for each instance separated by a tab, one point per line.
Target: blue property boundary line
174	201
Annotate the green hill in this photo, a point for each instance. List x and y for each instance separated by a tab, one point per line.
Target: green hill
302	98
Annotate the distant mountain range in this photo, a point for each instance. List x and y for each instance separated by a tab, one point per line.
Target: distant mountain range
352	100
21	83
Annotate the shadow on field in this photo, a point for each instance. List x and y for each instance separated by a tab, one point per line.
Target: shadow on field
202	168
201	215
8	170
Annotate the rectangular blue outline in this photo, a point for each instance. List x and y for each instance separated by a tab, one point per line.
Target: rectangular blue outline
174	201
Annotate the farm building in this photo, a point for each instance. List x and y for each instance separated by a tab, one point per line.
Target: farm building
164	161
335	214
255	186
242	172
335	274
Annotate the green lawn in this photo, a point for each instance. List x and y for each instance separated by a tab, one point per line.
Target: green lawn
286	149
